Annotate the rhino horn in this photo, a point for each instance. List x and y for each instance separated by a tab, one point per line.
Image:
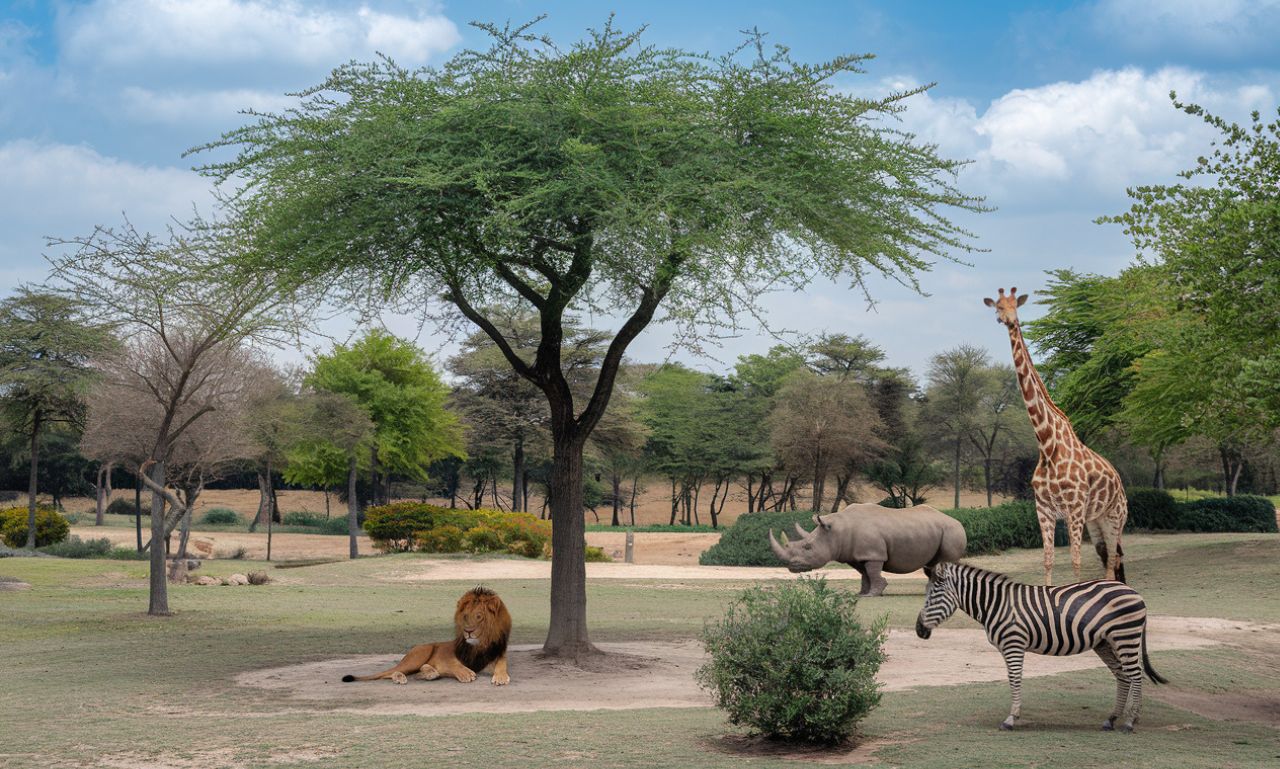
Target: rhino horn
776	547
801	532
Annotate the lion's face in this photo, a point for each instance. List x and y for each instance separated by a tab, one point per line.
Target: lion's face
481	617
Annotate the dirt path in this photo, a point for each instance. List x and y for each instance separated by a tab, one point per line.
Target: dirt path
660	675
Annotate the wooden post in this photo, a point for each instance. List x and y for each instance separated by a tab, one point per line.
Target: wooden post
631	547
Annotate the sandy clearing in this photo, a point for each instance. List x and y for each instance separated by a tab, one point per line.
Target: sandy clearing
660	675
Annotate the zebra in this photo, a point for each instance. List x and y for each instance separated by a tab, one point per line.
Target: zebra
1103	615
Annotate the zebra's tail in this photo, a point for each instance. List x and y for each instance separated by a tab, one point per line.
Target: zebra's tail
1146	661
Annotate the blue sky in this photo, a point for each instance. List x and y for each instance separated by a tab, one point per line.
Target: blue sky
1059	105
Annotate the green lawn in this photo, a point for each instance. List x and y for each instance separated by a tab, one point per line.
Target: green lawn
87	675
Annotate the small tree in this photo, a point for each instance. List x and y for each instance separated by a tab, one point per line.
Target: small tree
793	661
45	349
185	319
954	396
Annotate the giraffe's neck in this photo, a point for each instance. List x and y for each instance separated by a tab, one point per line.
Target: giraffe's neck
1043	412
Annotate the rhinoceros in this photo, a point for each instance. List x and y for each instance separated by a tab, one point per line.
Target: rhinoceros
871	539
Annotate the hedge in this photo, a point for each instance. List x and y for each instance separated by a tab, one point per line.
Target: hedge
1241	513
404	526
1012	524
746	542
1151	510
50	526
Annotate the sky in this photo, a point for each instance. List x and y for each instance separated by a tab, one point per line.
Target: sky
1059	106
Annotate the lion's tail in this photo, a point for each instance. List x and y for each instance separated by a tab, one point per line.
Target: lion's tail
348	678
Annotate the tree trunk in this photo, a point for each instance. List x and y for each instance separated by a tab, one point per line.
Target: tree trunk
617	498
373	476
517	477
137	509
266	499
751	493
675	502
957	474
159	604
104	494
353	506
567	635
271	494
635	480
986	476
819	483
326	503
32	480
191	494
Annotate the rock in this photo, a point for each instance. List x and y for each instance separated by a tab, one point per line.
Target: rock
207	580
236	579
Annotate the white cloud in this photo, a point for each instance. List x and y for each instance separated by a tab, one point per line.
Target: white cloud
125	34
146	105
1226	28
64	191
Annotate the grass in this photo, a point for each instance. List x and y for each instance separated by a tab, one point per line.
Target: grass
86	675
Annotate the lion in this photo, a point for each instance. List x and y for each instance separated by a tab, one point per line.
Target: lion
483	624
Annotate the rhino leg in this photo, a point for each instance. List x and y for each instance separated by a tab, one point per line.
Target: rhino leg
866	581
872	583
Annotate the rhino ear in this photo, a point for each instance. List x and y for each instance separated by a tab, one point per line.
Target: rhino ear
818	520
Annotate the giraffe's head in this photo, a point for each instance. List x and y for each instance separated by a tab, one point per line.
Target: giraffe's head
1007	306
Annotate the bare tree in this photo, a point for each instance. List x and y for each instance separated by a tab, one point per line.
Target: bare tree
185	319
821	424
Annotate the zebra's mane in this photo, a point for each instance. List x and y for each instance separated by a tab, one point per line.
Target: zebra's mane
986	575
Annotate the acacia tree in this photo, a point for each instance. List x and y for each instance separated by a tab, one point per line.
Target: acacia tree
45	350
173	299
609	176
953	397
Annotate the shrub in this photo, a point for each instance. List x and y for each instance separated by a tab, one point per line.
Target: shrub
1151	509
483	539
746	543
74	547
336	525
793	661
302	518
393	527
595	555
1241	513
127	554
220	516
441	539
50	526
1012	524
121	507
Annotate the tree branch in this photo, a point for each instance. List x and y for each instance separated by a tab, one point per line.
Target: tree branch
486	325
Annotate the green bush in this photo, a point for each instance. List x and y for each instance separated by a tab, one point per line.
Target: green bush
302	518
401	526
483	539
793	661
441	539
1243	513
746	542
336	525
50	526
220	516
595	555
74	547
1012	524
121	507
1151	509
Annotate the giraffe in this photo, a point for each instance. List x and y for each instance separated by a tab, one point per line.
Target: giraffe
1071	480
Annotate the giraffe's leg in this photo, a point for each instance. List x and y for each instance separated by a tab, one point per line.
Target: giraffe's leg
1075	535
1106	542
1013	666
1122	685
1047	524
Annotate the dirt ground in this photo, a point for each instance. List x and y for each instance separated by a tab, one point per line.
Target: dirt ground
648	675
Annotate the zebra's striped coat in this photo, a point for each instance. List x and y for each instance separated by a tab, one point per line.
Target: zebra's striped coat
1105	616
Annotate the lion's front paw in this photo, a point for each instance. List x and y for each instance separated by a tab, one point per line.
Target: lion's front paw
501	679
466	675
428	673
399	678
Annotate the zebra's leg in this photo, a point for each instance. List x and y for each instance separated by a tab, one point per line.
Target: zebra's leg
1133	703
1013	665
1122	685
